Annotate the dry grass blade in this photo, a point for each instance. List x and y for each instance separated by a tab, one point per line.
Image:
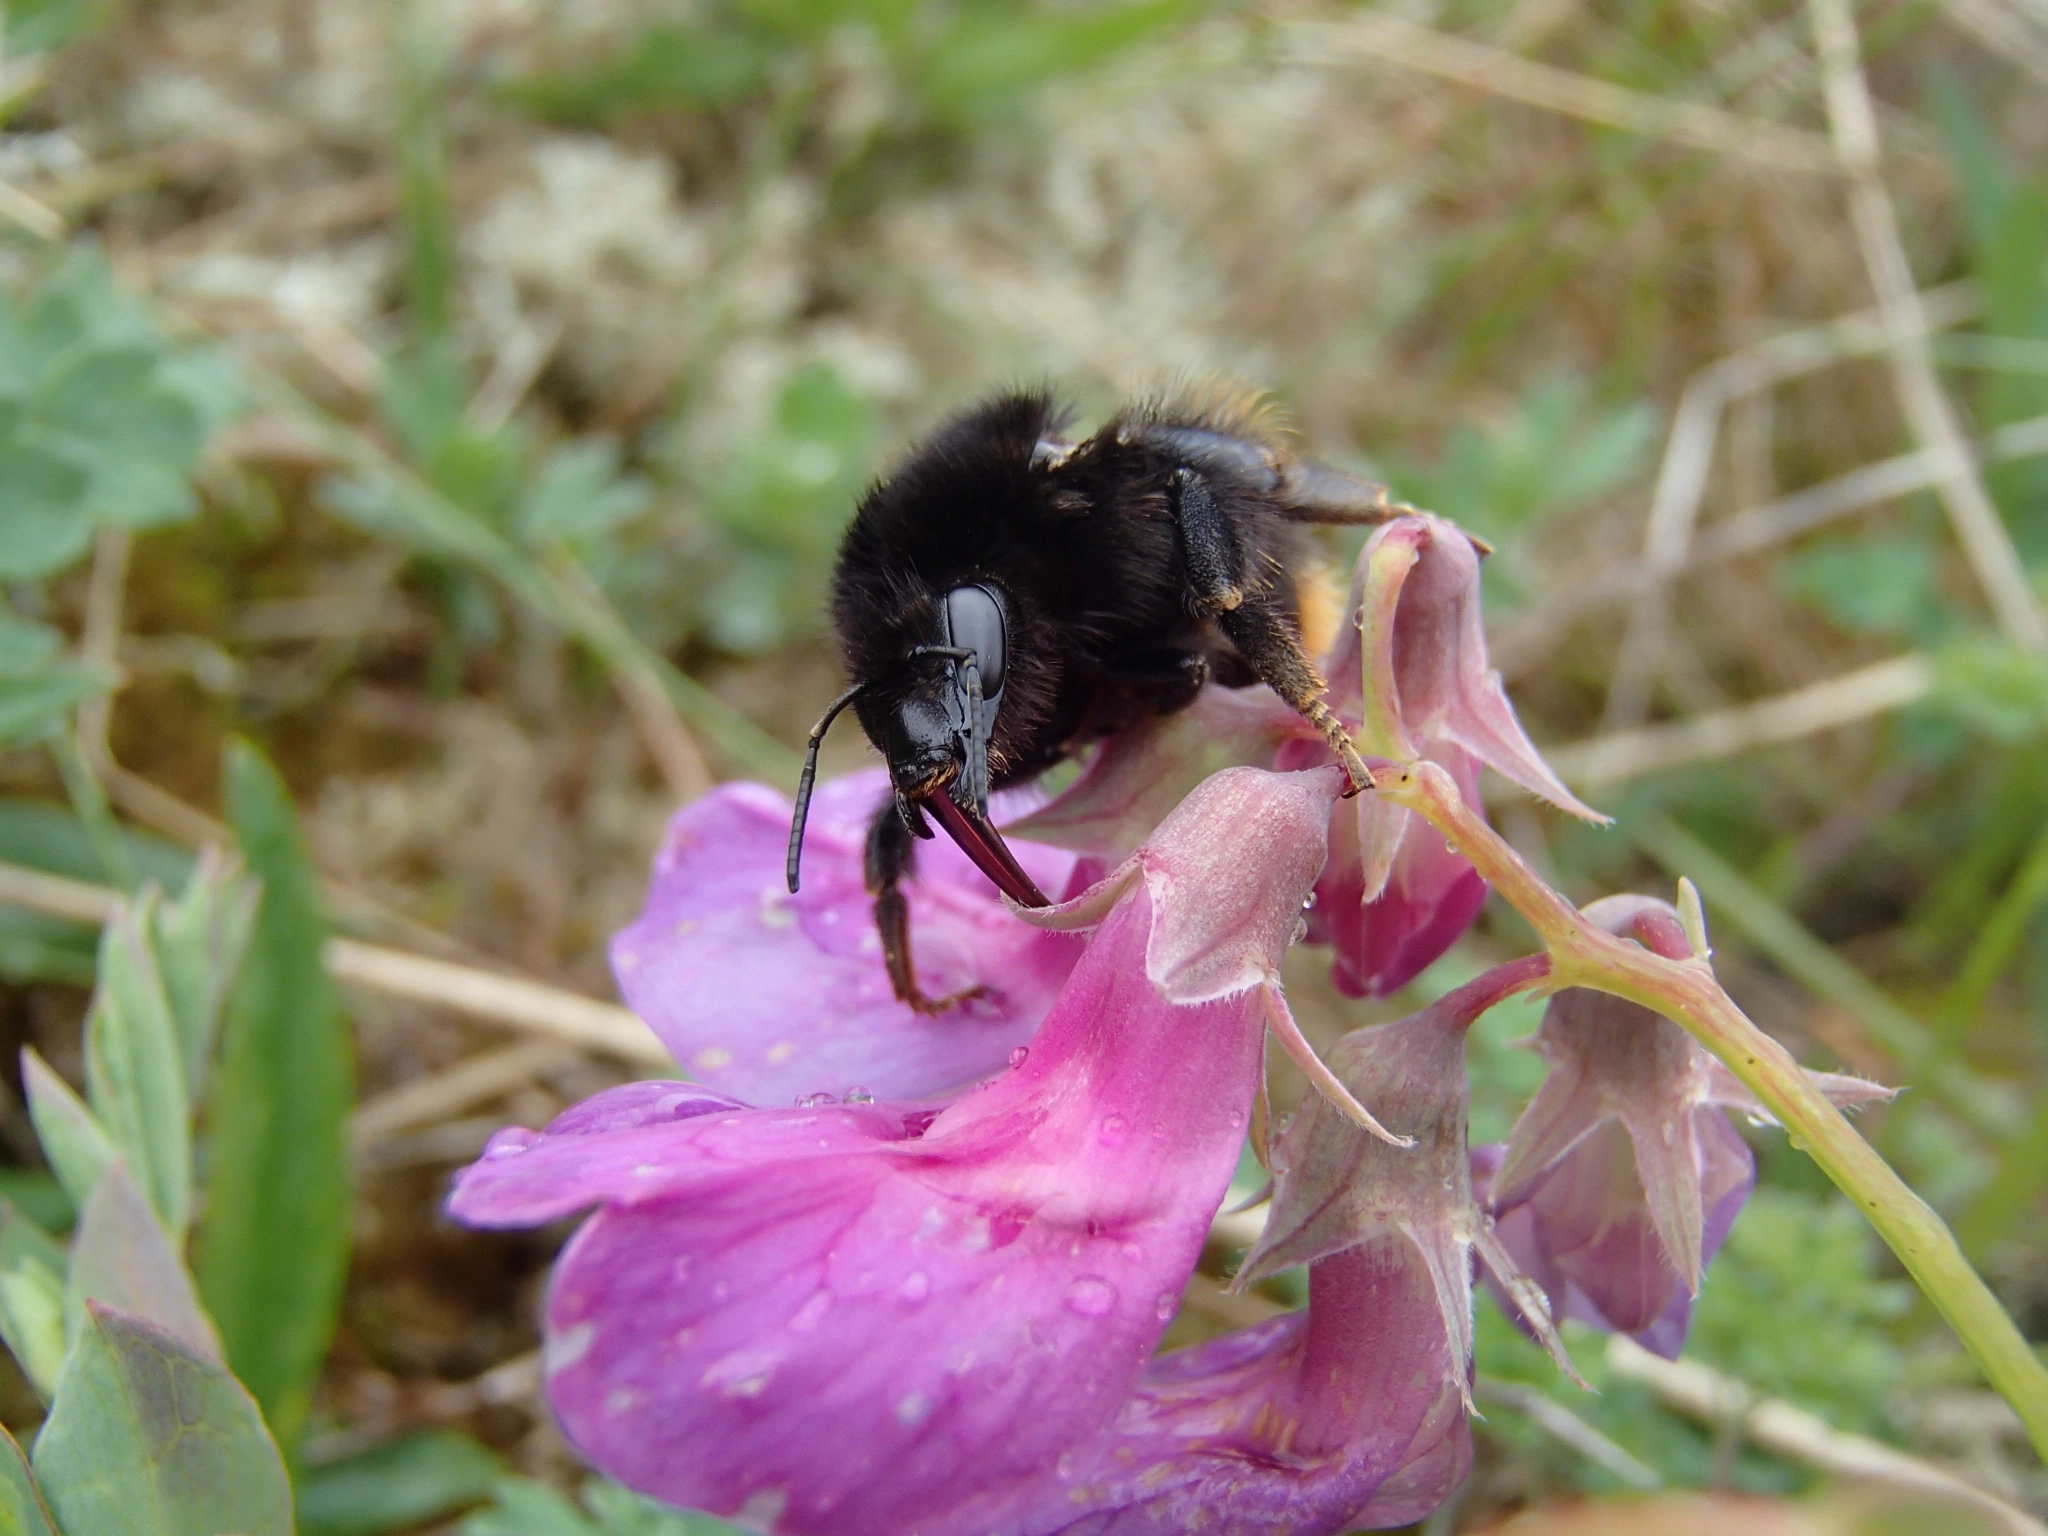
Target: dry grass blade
531	1006
1625	755
2004	34
1688	459
472	1081
1703	1393
1929	416
1698	126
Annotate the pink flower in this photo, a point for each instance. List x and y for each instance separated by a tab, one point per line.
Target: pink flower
1353	1414
772	996
870	1317
1415	673
1623	1176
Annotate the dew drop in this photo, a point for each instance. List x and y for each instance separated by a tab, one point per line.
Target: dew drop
1090	1296
814	1100
1308	902
916	1286
1165	1307
1300	931
506	1146
858	1096
1112	1131
1020	1055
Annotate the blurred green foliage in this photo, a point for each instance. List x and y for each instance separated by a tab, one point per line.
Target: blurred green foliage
524	1507
397	1485
101	417
955	64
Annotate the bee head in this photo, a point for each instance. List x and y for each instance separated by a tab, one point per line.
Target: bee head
937	735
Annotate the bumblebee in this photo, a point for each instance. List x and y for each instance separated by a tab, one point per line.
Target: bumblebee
1007	595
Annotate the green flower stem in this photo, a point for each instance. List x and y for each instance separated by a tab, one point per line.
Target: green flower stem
1583	955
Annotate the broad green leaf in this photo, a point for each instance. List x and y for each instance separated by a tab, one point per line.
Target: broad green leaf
32	1301
43	522
26	647
32	1321
123	1258
32	707
274	1249
89	396
523	1507
53	839
135	1077
396	1486
146	1438
578	493
23	1237
73	1139
22	1511
201	940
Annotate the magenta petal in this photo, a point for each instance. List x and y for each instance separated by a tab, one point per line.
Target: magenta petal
772	996
853	1318
1431	895
1346	1417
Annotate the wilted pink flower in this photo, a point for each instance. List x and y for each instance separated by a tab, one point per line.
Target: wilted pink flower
1623	1176
1414	671
772	996
867	1317
1352	1414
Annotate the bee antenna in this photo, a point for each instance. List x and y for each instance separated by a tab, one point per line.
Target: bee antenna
809	778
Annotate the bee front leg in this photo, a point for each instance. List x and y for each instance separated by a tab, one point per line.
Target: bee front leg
1263	633
891	855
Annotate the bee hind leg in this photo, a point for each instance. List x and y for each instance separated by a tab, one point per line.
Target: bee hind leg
1263	634
891	854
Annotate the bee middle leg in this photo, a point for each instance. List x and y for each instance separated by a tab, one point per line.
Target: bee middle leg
1261	630
891	856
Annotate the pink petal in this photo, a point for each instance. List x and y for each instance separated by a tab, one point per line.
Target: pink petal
1444	685
1138	776
1347	1417
1429	895
772	996
858	1318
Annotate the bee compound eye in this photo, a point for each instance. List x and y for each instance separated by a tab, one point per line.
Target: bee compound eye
976	620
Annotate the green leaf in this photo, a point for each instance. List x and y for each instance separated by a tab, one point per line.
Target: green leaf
527	1508
146	1438
32	1322
32	1301
201	941
396	1486
579	493
134	1074
122	1257
73	1139
43	521
52	838
22	1511
33	707
274	1248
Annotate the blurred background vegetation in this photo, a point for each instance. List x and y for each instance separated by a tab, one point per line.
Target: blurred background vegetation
461	400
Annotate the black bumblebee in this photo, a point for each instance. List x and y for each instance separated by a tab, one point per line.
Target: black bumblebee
1008	595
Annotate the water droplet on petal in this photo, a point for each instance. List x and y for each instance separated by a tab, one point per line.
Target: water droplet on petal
1112	1131
1090	1296
1165	1307
916	1286
1308	902
508	1144
814	1100
1020	1055
1300	931
858	1096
